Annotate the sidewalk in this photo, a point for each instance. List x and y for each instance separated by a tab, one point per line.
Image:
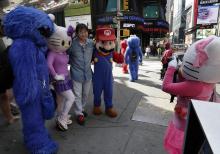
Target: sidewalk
141	101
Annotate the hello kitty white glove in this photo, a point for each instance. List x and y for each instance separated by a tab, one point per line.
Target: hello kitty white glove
173	62
59	77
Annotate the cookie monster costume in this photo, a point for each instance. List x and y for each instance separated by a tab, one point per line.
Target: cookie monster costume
104	56
29	27
133	56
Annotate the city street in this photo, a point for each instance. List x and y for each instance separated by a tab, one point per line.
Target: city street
163	29
144	111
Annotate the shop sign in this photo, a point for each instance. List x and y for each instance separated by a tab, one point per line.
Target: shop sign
133	18
105	19
204	2
207	14
109	19
204	33
162	24
126	25
159	23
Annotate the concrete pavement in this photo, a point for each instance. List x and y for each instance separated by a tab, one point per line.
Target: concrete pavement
103	135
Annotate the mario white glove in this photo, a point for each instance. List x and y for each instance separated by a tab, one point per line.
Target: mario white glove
173	62
59	77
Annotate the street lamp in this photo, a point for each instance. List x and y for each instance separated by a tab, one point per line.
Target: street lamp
118	24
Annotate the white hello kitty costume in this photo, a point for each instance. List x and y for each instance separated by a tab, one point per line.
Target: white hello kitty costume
200	72
57	60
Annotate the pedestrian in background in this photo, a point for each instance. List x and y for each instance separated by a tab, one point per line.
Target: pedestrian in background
167	54
147	51
6	82
80	55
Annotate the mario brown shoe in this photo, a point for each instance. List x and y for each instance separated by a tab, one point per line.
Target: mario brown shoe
97	110
111	112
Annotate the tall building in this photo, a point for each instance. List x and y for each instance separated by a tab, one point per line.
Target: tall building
145	18
191	20
177	21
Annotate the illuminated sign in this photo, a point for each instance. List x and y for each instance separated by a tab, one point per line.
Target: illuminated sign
204	33
202	2
125	5
109	19
207	14
126	32
128	25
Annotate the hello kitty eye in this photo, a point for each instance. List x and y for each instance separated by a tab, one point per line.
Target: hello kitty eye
110	43
103	42
63	43
69	42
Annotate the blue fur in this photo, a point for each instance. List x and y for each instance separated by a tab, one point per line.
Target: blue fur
133	45
31	83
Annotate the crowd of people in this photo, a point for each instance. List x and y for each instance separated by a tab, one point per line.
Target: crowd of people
36	64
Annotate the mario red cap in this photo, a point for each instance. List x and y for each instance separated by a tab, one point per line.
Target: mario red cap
105	34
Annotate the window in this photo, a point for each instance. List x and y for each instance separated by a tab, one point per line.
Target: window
111	6
151	11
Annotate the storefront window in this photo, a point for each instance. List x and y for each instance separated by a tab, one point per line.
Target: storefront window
151	11
111	6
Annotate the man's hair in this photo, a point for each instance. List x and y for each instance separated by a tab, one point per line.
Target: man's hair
81	26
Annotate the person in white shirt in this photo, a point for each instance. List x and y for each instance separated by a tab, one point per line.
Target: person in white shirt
147	51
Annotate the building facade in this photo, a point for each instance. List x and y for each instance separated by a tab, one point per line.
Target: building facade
145	18
199	19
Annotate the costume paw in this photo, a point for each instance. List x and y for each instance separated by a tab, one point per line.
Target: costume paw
59	77
111	112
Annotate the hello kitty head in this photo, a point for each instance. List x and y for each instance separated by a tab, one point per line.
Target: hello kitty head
60	40
201	62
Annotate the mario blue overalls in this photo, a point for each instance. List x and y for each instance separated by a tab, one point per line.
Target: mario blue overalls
102	79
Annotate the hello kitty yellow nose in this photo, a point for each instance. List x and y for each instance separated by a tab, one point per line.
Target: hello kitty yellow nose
66	46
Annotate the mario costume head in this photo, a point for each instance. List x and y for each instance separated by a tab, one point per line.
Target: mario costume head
105	40
104	56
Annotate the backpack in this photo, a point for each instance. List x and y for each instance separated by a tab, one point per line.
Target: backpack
133	56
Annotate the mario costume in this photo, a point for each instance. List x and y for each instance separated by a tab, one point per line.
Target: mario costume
133	56
123	49
104	55
198	74
29	27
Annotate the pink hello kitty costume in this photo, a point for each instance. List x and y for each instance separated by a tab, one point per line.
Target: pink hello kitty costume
57	61
200	73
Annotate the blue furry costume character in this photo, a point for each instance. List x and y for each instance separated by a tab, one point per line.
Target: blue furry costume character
28	27
133	56
104	56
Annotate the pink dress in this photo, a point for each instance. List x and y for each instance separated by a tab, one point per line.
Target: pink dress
184	90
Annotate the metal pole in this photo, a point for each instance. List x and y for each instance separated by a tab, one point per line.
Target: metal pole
118	24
